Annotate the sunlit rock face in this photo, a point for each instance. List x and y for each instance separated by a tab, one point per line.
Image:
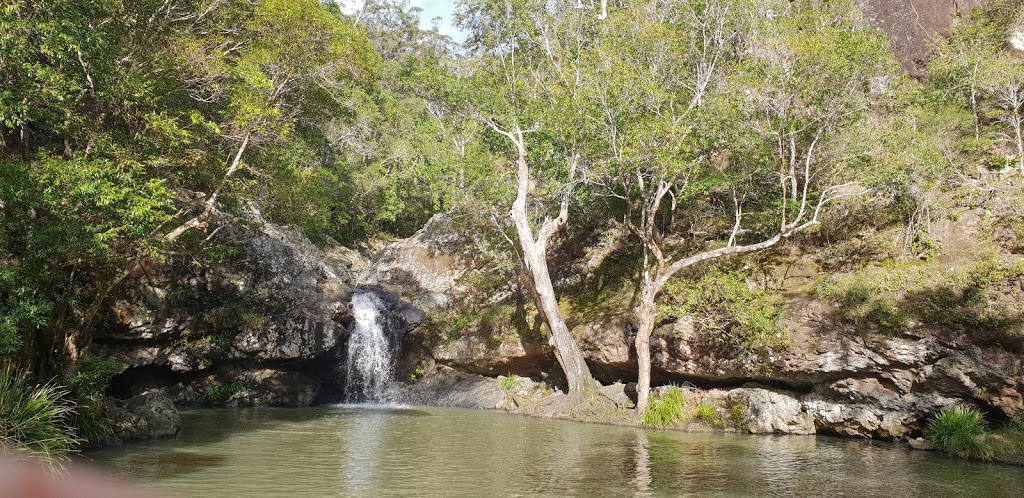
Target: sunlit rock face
424	269
838	379
1016	40
913	25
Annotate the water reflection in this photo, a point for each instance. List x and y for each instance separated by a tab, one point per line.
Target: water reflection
444	452
642	466
360	443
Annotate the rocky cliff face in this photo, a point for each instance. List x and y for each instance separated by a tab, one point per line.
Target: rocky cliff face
270	326
913	26
267	325
837	378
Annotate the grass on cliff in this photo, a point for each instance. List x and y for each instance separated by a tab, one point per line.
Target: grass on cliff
508	382
962	432
983	297
706	413
35	420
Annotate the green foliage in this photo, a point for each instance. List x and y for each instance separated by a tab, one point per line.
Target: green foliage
666	410
495	324
417	374
508	382
981	298
35	420
977	72
392	161
738	413
1007	441
219	393
457	326
88	387
93	376
960	431
65	229
22	307
724	306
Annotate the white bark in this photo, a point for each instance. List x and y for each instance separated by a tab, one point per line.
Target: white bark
210	205
534	254
658	272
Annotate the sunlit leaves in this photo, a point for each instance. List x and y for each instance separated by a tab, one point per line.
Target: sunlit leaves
65	228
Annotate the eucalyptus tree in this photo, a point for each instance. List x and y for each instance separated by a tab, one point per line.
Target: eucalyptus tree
978	66
1005	86
716	112
525	76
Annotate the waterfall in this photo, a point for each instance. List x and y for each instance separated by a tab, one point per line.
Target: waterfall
371	350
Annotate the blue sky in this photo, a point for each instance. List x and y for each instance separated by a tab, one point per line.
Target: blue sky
439	8
431	9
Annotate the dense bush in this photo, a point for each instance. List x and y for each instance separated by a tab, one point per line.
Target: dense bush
724	306
983	297
88	387
35	420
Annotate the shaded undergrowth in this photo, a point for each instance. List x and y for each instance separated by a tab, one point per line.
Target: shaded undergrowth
985	297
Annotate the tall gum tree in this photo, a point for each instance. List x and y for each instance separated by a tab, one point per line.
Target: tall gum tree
720	110
525	76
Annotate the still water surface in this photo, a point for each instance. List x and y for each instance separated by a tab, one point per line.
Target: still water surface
365	451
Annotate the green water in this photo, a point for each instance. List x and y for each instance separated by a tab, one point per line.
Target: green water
349	451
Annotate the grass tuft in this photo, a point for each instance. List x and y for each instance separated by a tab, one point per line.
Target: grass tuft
666	410
35	420
219	393
960	431
508	383
706	413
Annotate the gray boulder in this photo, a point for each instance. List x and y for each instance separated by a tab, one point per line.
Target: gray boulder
150	415
772	412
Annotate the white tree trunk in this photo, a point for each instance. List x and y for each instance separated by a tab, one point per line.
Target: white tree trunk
646	317
568	353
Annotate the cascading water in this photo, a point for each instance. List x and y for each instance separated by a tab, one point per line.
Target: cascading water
371	351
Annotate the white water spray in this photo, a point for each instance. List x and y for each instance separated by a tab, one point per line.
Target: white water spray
370	369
